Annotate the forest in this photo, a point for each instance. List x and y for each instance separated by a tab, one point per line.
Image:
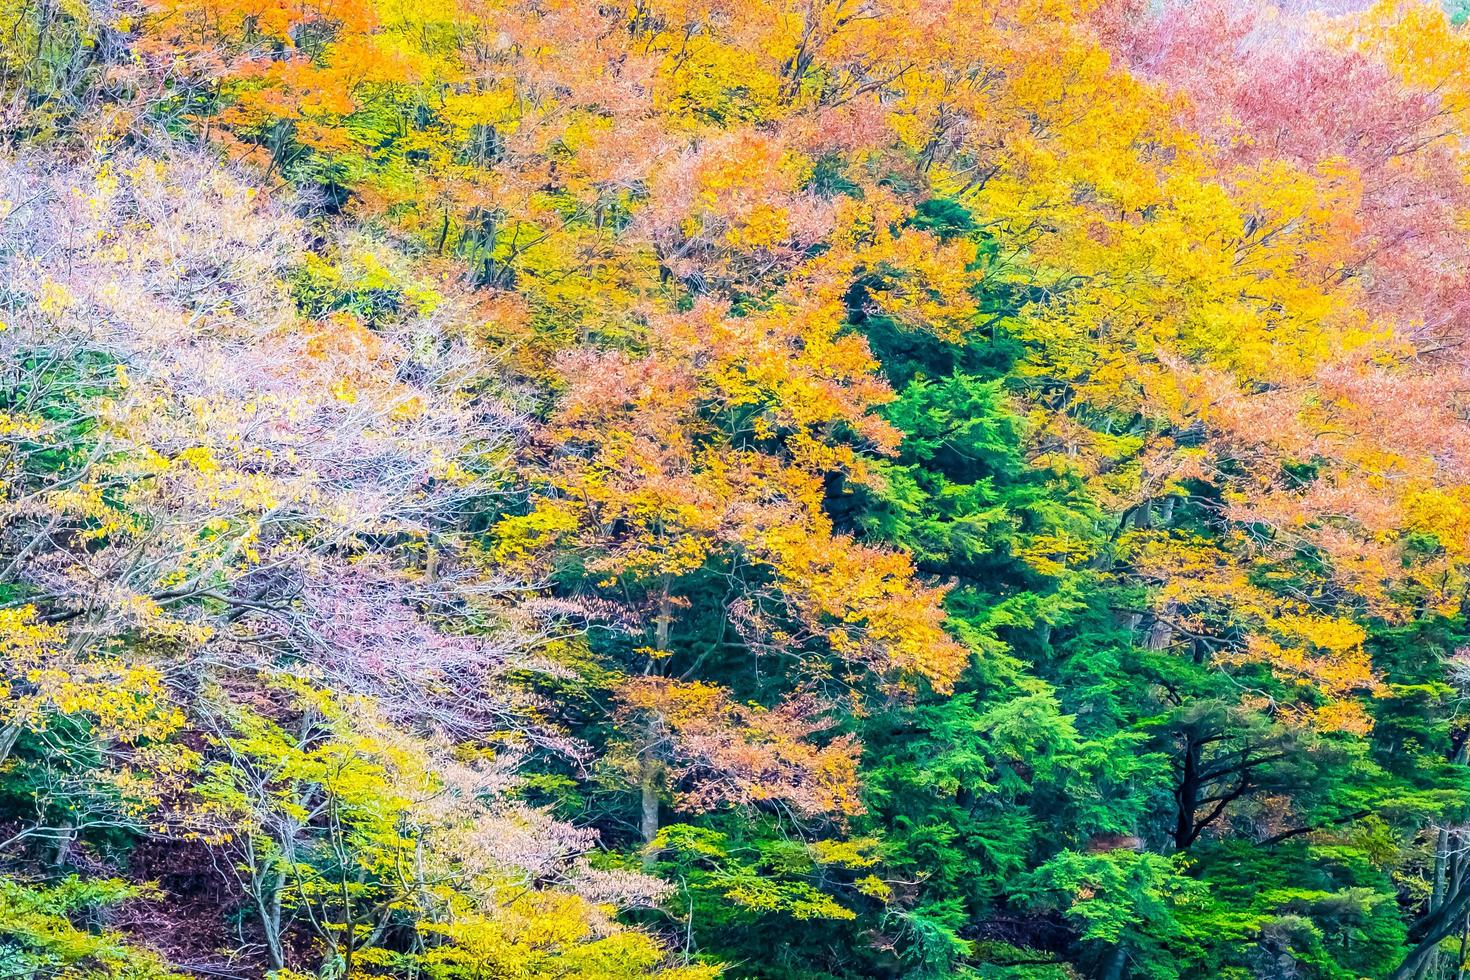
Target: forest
748	489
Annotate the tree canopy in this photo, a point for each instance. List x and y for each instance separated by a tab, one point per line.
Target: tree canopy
772	489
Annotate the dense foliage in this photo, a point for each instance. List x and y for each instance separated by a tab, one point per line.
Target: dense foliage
784	489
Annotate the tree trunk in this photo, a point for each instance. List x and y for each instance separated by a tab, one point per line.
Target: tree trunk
648	811
1434	929
1437	893
648	757
1161	631
1187	795
1419	960
8	735
1464	938
265	889
65	838
270	918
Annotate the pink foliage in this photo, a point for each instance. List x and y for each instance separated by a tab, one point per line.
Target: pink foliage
1263	83
721	752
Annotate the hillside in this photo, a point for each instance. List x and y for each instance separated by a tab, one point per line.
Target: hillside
769	489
